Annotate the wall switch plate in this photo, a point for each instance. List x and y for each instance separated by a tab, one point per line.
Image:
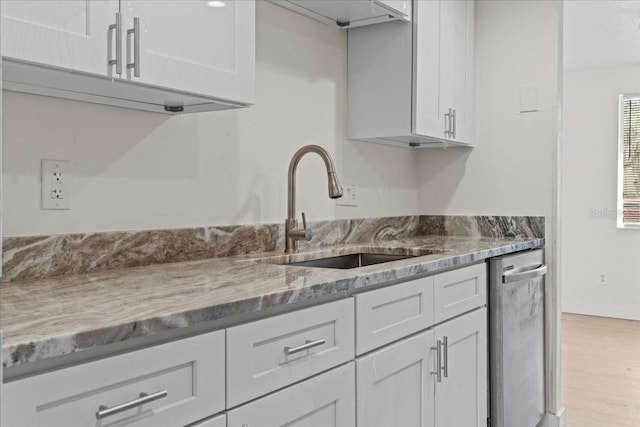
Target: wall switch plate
56	188
350	192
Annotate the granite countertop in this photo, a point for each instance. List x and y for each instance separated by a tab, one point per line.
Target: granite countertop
52	317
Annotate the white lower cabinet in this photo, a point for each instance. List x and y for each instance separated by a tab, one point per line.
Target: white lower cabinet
395	384
167	385
434	378
398	385
461	397
327	400
422	363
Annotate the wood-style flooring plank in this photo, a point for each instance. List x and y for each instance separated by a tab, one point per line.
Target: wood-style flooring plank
600	371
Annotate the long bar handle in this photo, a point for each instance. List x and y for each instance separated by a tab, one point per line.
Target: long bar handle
118	29
306	346
105	411
445	364
136	47
447	124
524	275
438	371
453	124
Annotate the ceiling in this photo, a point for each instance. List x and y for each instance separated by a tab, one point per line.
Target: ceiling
601	33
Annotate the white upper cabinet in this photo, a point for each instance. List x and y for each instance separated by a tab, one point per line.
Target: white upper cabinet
414	86
66	34
350	13
192	46
166	56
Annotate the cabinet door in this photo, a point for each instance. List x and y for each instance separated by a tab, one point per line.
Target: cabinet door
327	400
69	34
428	113
444	73
395	385
461	397
456	65
191	46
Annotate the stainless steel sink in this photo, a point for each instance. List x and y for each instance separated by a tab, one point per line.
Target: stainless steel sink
350	261
361	258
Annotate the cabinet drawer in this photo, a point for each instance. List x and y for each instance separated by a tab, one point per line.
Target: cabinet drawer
327	400
219	421
458	291
272	353
391	313
190	370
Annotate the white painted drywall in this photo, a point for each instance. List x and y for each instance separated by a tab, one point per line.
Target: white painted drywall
601	33
137	170
592	245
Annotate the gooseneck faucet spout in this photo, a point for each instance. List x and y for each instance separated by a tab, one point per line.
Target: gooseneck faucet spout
292	232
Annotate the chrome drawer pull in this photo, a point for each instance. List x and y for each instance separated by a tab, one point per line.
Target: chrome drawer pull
105	411
445	364
306	346
438	371
117	27
135	31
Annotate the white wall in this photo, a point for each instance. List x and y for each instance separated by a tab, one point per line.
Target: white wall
592	244
138	170
510	170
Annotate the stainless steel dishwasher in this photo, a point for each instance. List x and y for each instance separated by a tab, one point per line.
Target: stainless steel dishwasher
516	339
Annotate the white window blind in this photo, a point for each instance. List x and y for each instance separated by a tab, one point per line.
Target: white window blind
630	162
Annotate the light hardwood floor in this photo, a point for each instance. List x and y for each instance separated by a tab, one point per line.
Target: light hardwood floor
600	371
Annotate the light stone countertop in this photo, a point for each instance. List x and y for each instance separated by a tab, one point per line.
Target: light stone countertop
53	317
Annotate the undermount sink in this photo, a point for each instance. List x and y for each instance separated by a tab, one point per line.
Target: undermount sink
350	261
360	259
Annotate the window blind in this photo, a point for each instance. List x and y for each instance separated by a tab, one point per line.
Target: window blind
631	161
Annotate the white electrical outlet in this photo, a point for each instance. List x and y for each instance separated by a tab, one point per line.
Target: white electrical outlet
56	188
603	280
350	192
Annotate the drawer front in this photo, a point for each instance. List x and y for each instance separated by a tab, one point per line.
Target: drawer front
190	370
219	421
272	353
458	291
388	314
327	400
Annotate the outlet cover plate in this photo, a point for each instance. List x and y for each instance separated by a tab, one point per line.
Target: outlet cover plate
56	184
350	193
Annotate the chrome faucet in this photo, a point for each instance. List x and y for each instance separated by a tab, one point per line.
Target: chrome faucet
292	233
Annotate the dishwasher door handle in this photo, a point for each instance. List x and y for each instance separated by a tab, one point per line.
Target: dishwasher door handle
524	275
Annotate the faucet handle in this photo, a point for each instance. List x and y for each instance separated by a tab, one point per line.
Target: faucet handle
308	234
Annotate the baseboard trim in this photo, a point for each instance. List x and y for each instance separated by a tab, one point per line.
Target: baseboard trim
617	312
554	420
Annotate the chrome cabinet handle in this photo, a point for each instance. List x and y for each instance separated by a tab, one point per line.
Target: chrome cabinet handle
438	371
118	30
306	346
453	124
447	124
445	364
136	47
518	276
105	411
